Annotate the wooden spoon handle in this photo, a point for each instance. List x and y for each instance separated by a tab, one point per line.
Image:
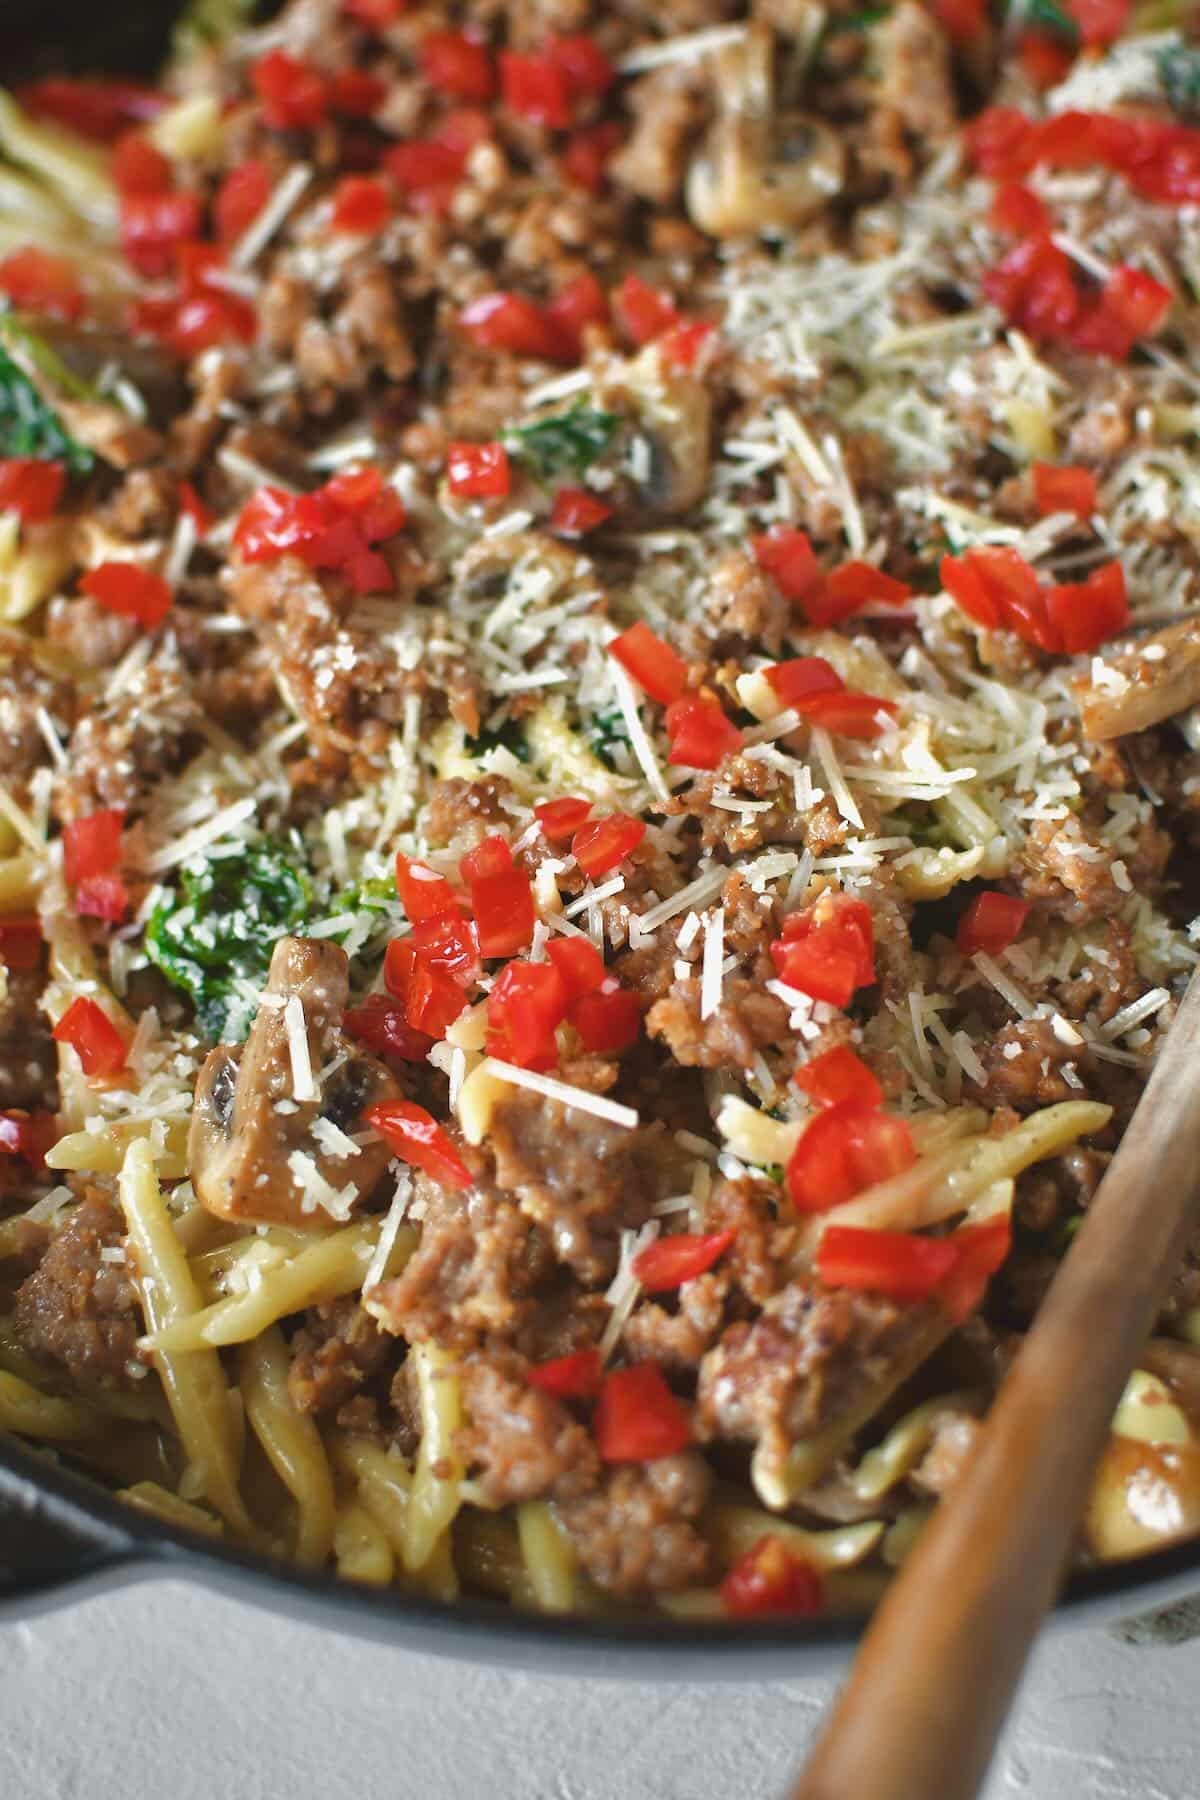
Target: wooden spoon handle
937	1670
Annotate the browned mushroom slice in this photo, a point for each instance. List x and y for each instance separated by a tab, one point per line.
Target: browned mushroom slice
666	432
758	170
271	1136
1155	679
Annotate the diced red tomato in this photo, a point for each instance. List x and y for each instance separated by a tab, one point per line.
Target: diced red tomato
525	1009
838	1077
376	15
788	556
450	944
27	1134
381	1025
578	962
843	1150
153	226
991	923
362	204
700	732
588	153
684	343
424	893
478	471
93	1037
1064	490
536	88
38	282
100	110
962	20
578	304
457	65
102	897
329	529
801	677
197	321
561	819
900	1264
1099	22
1131	305
607	1022
586	67
92	844
1086	613
848	713
993	585
642	312
1035	288
979	1251
357	94
501	899
669	1262
130	590
422	166
20	940
1002	143
658	669
828	950
139	167
490	857
600	844
1045	60
503	321
770	1580
31	488
432	998
417	1138
576	512
240	198
1017	211
861	583
293	96
638	1418
576	1376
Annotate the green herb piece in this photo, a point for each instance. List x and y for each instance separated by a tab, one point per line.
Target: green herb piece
28	427
205	22
219	930
567	444
605	732
1045	15
510	736
1179	72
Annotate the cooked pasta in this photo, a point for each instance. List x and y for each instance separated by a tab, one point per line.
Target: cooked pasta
598	771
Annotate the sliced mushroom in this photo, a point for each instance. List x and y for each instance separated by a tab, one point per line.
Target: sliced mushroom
1155	679
758	171
250	1129
667	436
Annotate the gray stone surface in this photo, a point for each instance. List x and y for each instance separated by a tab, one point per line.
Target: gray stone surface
161	1692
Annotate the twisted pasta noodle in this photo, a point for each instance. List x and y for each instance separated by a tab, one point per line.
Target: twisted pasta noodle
173	1509
550	1562
193	1382
291	1442
103	1152
734	1529
435	1497
25	1409
361	1550
897	1454
18	892
488	1554
76	172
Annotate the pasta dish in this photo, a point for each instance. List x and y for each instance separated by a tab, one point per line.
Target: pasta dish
599	771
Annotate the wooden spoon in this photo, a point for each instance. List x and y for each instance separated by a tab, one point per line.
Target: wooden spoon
937	1670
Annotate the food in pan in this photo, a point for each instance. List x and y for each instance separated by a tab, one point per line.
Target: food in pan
600	772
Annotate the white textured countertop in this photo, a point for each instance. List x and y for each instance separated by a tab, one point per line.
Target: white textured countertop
163	1692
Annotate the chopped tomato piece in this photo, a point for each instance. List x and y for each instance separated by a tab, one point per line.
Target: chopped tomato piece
376	15
991	923
240	198
458	65
92	844
40	283
503	321
1064	490
491	857
860	583
381	1025
588	153
669	1262
424	893
561	819
962	20
30	487
576	1376
93	1037
1131	305
450	944
700	732
583	62
20	940
638	1418
828	950
139	167
1099	22
576	512
643	312
658	669
1002	142
1045	60
478	471
847	713
1017	211
979	1251
770	1580
102	897
607	1022
433	999
417	1138
1084	614
578	304
801	677
845	1149
900	1264
1035	288
684	343
997	587
788	556
501	898
424	166
362	204
100	110
357	94
27	1134
199	321
600	844
130	590
536	88
838	1077
153	226
578	962
294	97
525	1009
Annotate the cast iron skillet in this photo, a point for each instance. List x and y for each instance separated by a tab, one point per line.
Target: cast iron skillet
62	1536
